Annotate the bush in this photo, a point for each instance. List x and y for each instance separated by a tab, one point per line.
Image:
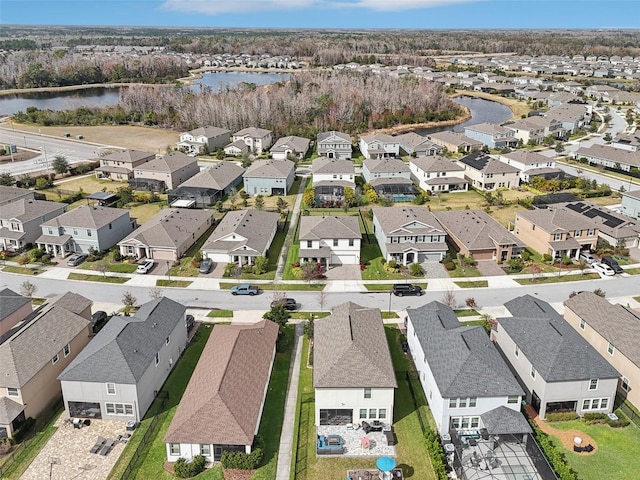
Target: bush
561	416
117	256
416	270
553	454
526	255
450	266
603	418
241	460
438	459
182	469
546	257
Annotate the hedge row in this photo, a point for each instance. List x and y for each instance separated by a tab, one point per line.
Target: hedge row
241	460
602	418
561	417
436	453
555	457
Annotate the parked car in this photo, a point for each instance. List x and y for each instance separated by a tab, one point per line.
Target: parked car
190	321
587	257
287	303
615	266
145	267
98	320
205	265
244	289
77	259
401	289
602	268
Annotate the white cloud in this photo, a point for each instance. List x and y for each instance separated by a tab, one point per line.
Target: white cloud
214	7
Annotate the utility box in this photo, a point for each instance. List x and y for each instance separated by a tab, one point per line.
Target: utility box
10	148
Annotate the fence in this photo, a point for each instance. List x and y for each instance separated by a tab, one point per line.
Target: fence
630	412
411	376
163	397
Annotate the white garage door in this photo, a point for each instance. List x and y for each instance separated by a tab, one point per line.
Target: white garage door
428	257
343	260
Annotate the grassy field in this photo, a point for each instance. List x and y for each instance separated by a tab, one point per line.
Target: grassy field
473	284
96	278
556	279
220	314
21	270
617	455
173	283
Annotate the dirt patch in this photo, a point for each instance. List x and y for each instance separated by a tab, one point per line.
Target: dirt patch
19	156
235	474
565	436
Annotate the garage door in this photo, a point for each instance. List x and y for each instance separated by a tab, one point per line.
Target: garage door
428	257
332	416
343	260
164	255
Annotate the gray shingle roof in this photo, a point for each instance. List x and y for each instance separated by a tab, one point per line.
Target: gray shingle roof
351	350
123	350
254	226
378	137
557	219
270	169
463	360
324	165
316	227
10	302
526	158
618	325
505	421
168	163
222	402
297	144
554	348
324	136
210	132
8	194
436	164
483	163
87	216
252	132
219	176
25	210
9	410
386	165
405	218
454	138
475	229
129	156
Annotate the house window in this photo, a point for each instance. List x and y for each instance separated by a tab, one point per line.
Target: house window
167	340
557	236
351	242
66	350
75	232
455	422
13	392
604	403
475	421
367	393
382	413
577	233
462	403
586	404
372	413
205	450
174	449
582	324
625	384
591	232
363	413
453	402
593	384
157	358
55	358
88	233
50	231
309	243
111	388
110	227
513	399
533	372
516	352
610	348
335	242
472	402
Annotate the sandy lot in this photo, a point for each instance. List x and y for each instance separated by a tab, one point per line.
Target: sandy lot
147	139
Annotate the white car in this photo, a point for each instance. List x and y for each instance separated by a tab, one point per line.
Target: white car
602	268
587	257
145	267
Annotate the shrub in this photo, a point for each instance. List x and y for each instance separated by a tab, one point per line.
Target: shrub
438	459
555	457
450	266
602	418
561	416
182	469
546	257
416	270
241	460
526	255
117	256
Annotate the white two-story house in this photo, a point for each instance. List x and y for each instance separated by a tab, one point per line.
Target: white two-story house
335	145
20	221
330	240
330	177
379	145
204	138
257	139
530	164
438	174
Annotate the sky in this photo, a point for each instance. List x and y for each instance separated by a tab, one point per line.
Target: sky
394	14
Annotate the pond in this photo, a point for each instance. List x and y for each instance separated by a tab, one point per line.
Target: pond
482	111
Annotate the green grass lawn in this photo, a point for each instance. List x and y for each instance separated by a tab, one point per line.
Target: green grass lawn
466	312
173	283
375	270
303	287
473	284
96	278
637	299
305	315
21	270
556	279
617	455
632	271
220	313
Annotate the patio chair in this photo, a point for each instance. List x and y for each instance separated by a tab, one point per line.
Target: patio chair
99	442
108	445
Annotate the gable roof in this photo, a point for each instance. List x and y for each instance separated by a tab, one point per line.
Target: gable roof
123	350
30	345
297	144
9	410
463	360
332	136
557	219
618	325
378	137
169	163
170	227
488	128
270	169
87	216
322	165
399	218
317	228
222	402
351	349
9	194
554	348
11	302
252	132
454	138
607	221
411	140
385	165
482	162
129	156
219	176
436	164
255	226
526	157
25	210
476	230
210	132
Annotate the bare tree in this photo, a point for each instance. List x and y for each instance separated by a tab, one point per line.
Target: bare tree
27	289
155	293
103	266
449	298
322	298
129	301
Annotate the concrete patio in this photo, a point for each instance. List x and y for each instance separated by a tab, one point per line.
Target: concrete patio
352	441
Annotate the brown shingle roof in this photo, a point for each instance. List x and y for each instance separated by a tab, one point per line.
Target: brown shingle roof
554	219
351	350
223	400
168	163
252	227
316	228
475	229
436	164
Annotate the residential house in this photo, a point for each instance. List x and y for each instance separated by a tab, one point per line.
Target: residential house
208	187
330	240
616	229
571	116
409	235
614	332
83	228
559	370
379	145
237	149
353	373
290	147
330	177
473	233
462	373
455	142
486	173
164	173
121	165
221	408
241	237
438	174
493	136
34	351
119	373
533	130
531	164
12	194
167	235
20	221
13	309
204	139
417	145
610	157
629	141
556	231
389	167
335	145
631	204
257	139
269	177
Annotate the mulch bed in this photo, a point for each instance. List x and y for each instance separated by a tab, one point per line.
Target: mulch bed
565	436
235	474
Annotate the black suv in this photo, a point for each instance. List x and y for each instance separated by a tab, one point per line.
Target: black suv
98	320
401	289
612	263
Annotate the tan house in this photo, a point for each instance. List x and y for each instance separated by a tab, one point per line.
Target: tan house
120	165
474	233
164	173
556	231
486	173
13	308
257	139
34	352
455	142
20	221
614	331
168	234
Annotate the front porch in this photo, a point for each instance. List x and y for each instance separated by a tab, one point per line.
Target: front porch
56	246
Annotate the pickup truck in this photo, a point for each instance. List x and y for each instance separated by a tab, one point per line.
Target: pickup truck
244	289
